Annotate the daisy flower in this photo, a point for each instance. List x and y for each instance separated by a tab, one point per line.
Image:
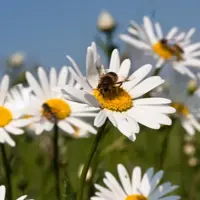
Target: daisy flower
10	115
3	194
50	108
188	121
120	103
138	187
175	46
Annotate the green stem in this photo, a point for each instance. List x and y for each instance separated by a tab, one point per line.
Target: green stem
56	161
89	160
165	145
7	172
158	70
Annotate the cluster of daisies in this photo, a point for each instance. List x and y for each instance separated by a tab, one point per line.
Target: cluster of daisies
69	100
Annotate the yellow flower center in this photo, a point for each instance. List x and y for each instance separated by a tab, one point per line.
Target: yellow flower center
116	100
136	197
181	109
167	51
56	109
5	116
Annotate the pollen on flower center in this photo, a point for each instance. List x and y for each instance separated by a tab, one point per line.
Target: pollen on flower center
117	100
56	108
181	109
136	197
5	116
167	51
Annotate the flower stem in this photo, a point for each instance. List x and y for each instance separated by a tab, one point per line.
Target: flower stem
165	144
89	160
56	161
7	172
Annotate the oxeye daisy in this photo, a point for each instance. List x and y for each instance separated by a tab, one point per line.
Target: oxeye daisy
3	194
10	121
49	106
175	47
138	187
117	94
188	120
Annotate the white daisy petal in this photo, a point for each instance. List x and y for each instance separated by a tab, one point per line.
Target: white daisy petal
7	137
4	88
188	127
114	185
65	126
172	33
114	61
157	109
34	85
124	178
140	117
79	123
159	30
100	119
132	41
2	192
81	80
124	69
14	130
62	77
192	62
22	197
75	66
149	29
145	182
146	86
91	68
44	82
136	179
137	76
53	77
151	101
190	33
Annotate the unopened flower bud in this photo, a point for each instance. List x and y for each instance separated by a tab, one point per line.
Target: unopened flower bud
16	59
192	87
189	149
193	162
106	22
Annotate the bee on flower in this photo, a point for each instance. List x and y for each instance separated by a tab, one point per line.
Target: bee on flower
49	107
118	95
175	48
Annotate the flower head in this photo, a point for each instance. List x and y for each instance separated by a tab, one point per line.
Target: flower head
175	47
50	108
117	94
10	115
188	120
16	59
105	22
140	187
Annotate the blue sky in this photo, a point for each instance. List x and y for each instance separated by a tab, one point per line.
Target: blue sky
48	30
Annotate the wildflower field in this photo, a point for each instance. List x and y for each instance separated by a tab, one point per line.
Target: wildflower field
114	132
